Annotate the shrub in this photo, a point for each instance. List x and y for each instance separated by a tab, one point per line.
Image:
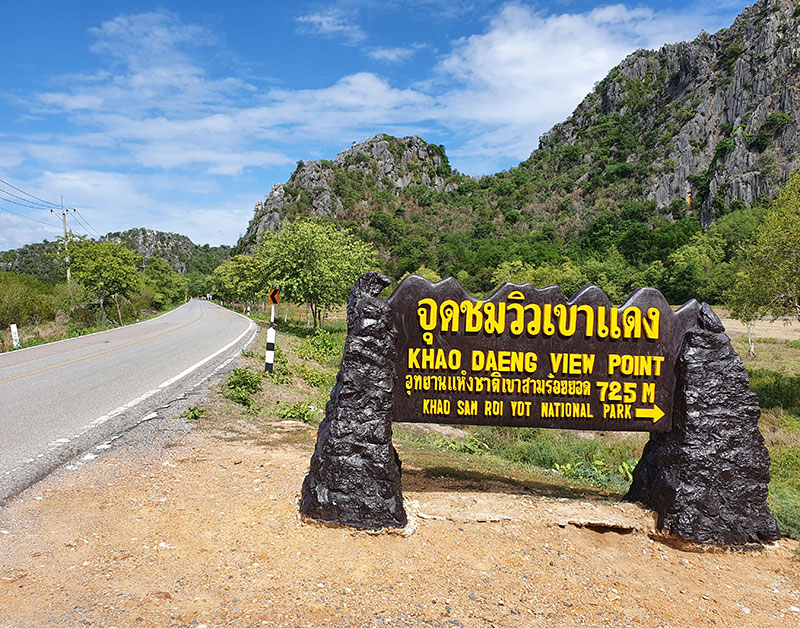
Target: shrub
240	386
299	411
313	377
280	368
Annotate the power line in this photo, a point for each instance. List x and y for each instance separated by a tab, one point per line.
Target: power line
78	227
27	203
86	222
8	200
14	187
49	224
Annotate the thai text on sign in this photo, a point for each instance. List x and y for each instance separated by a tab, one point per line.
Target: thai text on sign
528	357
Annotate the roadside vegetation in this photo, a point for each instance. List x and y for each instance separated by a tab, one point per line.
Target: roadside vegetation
110	285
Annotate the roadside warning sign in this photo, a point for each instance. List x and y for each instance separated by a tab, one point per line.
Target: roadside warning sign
274	297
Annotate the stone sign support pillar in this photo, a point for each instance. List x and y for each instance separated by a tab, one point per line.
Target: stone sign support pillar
707	478
354	477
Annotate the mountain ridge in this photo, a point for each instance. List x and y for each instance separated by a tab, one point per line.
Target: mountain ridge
710	123
183	255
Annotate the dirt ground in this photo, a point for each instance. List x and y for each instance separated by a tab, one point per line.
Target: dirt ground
779	329
200	529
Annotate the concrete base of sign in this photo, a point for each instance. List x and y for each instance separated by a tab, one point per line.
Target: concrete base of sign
707	478
354	477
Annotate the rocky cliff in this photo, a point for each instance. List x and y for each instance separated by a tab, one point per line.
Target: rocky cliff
716	117
713	121
359	179
175	249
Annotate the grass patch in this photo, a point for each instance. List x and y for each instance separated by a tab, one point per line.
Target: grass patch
765	341
775	389
784	489
793	344
193	414
314	377
597	461
322	346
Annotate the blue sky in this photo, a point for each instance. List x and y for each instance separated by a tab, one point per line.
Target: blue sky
179	116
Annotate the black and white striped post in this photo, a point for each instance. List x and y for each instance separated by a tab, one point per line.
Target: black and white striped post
269	360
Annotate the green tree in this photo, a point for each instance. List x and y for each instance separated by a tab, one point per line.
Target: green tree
569	277
242	279
169	287
24	300
106	269
314	263
697	270
767	276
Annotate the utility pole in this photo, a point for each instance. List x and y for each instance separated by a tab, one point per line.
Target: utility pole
64	213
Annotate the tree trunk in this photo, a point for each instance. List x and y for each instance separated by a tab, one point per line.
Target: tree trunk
119	310
103	310
308	316
751	347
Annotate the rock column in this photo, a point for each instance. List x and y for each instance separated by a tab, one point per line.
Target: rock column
707	478
354	478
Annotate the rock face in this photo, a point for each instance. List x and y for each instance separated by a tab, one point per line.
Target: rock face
348	186
173	248
177	250
713	121
354	478
717	117
707	478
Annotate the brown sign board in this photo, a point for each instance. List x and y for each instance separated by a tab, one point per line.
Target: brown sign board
525	357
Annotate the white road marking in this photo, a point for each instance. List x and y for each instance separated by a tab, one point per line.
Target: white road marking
251	329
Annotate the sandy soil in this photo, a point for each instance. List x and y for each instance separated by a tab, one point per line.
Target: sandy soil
780	329
198	529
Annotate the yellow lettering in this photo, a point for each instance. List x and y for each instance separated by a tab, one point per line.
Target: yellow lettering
493	408
467	408
504	361
436	406
635	365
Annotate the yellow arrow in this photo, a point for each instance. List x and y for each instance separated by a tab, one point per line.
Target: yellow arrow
654	413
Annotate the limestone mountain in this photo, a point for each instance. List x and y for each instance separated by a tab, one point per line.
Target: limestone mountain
173	248
183	255
714	120
717	118
366	176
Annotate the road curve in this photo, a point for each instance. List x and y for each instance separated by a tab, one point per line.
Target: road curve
60	399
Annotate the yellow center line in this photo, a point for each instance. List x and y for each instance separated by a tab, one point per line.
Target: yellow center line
94	355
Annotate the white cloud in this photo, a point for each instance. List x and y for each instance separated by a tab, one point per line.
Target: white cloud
145	40
164	122
331	23
494	93
116	201
399	54
15	230
503	88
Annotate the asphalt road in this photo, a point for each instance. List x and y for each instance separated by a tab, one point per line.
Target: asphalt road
58	401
